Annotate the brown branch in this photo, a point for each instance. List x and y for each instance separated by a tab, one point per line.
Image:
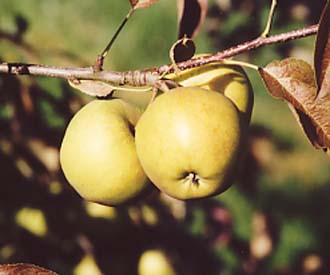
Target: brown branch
150	76
134	78
245	47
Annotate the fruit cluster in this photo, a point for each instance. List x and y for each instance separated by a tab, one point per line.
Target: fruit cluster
187	142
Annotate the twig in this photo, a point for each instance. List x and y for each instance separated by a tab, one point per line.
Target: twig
266	31
134	78
245	47
98	66
150	76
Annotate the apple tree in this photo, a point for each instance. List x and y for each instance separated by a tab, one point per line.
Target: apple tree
172	150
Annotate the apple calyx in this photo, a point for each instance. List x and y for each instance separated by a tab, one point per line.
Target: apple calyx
192	178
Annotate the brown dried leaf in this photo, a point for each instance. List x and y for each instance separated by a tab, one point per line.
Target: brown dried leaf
24	269
92	87
322	116
140	4
191	15
182	50
324	90
322	48
322	57
293	81
133	2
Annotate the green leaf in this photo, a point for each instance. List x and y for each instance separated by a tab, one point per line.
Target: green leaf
295	237
198	222
293	81
241	210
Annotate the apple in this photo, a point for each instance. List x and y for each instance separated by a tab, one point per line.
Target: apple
32	220
154	262
188	142
230	80
98	155
96	210
234	84
87	266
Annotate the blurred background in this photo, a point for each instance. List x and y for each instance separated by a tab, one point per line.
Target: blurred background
273	220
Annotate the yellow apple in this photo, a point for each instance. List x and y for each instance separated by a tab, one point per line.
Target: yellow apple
87	266
154	262
188	141
98	154
33	220
230	80
96	210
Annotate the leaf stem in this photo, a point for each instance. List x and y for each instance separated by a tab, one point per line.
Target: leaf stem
100	59
265	33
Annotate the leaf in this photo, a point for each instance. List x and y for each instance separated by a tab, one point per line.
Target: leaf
293	81
24	269
141	4
191	15
103	89
322	48
133	2
322	58
182	50
324	91
92	87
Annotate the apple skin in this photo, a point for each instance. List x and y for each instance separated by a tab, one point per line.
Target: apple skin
188	141
230	80
98	155
155	262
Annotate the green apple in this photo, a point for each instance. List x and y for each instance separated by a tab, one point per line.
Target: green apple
188	141
98	154
233	82
230	80
154	262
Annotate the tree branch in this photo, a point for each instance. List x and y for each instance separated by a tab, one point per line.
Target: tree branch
150	76
247	46
133	78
